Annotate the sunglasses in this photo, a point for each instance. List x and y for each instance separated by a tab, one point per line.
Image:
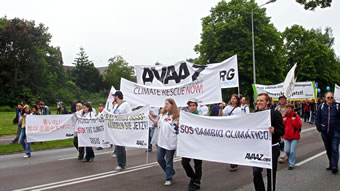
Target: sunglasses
329	97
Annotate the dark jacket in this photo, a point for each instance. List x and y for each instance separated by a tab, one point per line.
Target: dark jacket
322	118
279	130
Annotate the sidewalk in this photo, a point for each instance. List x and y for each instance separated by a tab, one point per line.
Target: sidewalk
5	140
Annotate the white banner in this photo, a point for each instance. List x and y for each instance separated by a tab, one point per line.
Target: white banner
206	89
185	72
110	99
91	132
49	127
337	93
302	90
130	130
243	140
289	83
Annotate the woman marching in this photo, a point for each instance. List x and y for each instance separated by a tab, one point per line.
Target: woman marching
23	138
167	138
88	114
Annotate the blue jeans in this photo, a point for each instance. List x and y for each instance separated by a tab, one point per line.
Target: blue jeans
151	132
257	172
121	156
23	141
331	142
167	163
290	149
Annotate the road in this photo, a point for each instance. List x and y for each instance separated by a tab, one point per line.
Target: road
60	170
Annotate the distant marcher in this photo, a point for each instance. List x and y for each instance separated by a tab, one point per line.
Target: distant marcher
306	111
154	112
35	110
293	124
214	109
23	138
18	112
44	110
328	123
78	113
244	105
100	116
64	110
59	105
203	109
312	112
88	114
282	108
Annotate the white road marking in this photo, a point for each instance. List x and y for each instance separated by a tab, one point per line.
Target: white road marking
308	129
310	158
91	177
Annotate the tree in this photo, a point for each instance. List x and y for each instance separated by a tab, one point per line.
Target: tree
312	4
85	75
118	68
312	51
227	31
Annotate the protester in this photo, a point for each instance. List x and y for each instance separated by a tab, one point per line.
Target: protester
244	105
78	113
120	107
282	108
312	112
59	105
202	109
195	176
18	112
23	138
154	112
35	110
63	110
100	116
328	123
167	138
93	109
88	114
232	109
214	109
293	124
306	110
277	130
44	110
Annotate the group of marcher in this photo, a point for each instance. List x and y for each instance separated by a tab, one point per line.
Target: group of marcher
285	125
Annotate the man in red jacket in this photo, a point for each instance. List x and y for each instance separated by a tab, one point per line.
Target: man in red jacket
292	123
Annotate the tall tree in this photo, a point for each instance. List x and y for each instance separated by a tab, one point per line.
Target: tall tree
312	51
312	4
118	68
85	75
227	31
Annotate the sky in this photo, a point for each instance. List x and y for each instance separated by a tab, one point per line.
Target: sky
144	32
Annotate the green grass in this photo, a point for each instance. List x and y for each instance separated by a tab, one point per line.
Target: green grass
6	123
13	148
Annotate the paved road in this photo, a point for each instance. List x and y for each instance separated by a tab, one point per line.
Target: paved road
59	170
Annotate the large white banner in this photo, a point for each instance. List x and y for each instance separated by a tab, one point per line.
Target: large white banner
243	140
337	93
91	132
302	90
130	130
185	72
49	127
206	89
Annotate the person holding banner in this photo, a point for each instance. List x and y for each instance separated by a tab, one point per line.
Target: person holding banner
120	107
277	130
293	124
79	111
328	123
167	138
23	138
232	109
195	177
244	105
88	114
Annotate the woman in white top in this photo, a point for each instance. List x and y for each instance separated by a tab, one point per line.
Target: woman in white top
88	114
167	138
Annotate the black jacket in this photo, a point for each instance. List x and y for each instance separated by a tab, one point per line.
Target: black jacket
279	129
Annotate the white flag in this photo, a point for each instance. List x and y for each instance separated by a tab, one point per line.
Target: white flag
110	99
289	83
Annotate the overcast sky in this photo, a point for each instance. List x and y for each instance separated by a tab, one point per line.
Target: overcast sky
146	31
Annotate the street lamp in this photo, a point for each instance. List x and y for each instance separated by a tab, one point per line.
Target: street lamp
252	34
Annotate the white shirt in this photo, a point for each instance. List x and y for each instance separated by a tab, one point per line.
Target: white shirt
229	108
122	108
167	137
154	111
245	108
203	110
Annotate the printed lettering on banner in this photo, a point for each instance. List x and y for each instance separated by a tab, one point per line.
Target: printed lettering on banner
243	139
91	132
130	130
185	72
49	127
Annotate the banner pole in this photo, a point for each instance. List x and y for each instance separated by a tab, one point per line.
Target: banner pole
238	90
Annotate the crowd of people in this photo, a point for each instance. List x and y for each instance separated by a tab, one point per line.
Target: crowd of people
286	125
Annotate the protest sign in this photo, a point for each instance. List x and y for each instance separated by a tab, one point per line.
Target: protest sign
206	89
337	93
130	130
91	132
49	127
301	91
185	72
243	139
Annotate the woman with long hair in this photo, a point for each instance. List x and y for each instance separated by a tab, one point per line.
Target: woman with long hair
88	114
167	138
23	138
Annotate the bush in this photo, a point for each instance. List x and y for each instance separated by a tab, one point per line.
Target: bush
6	108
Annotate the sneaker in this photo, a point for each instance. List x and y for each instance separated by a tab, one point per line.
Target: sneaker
118	168
329	168
193	185
168	183
334	170
27	156
114	155
290	168
91	159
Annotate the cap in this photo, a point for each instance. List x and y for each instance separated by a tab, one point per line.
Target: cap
193	100
119	94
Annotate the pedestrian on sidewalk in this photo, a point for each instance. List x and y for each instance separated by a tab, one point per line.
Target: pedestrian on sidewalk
167	138
293	124
195	176
328	124
277	130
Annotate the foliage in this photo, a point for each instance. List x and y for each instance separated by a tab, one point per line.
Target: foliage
227	31
118	68
312	4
